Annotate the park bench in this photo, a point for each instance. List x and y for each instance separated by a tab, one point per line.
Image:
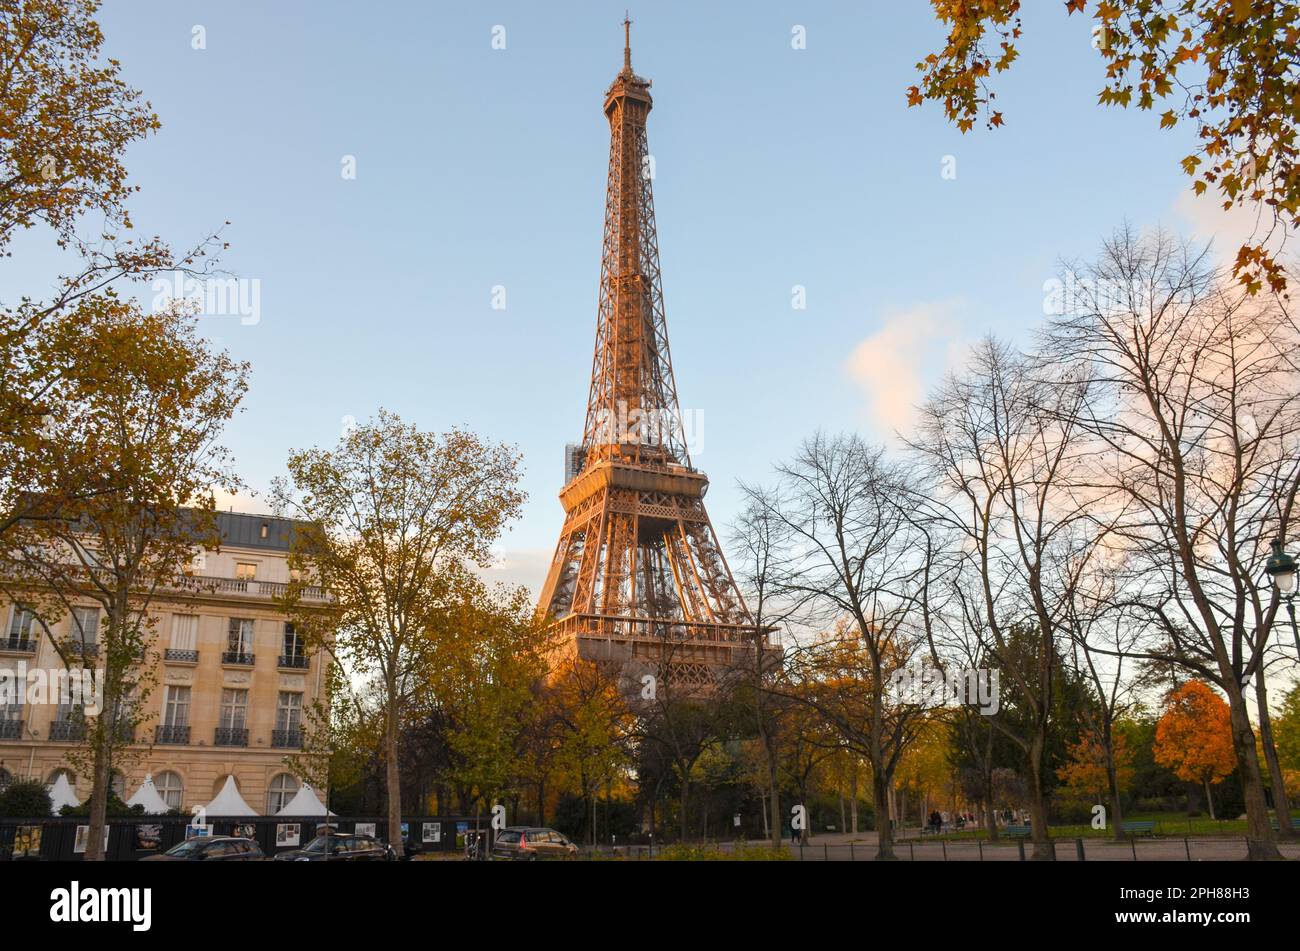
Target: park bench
1018	832
1145	827
1273	823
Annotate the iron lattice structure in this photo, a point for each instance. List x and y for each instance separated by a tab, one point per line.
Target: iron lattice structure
638	576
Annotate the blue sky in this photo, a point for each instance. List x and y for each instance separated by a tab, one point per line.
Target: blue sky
477	167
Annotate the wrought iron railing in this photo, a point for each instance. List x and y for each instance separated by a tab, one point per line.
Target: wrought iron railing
286	739
67	731
181	656
18	645
172	735
299	661
11	729
230	736
237	657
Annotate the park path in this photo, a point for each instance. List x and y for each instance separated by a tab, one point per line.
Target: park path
845	847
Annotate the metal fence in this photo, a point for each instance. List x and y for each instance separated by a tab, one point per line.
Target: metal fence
130	838
1155	849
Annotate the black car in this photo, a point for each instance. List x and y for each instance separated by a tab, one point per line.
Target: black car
214	848
340	847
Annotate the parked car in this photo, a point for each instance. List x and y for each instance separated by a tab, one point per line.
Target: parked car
211	848
340	847
530	843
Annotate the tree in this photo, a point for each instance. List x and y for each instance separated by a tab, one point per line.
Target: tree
491	652
66	121
1000	467
1099	767
144	401
395	518
757	537
1194	737
849	554
1194	461
1227	66
1287	725
589	725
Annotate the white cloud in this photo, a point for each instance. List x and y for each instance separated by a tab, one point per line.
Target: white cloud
897	363
245	502
524	566
1205	218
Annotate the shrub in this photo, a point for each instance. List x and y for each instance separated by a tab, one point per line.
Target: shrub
25	798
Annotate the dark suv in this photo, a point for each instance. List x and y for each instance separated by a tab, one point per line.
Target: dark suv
340	848
530	843
216	848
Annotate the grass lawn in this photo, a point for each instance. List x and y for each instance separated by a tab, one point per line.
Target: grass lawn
1167	824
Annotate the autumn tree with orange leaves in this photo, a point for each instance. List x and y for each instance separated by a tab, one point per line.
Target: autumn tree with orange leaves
1228	67
1194	737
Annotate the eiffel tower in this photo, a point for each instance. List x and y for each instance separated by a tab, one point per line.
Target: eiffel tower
638	579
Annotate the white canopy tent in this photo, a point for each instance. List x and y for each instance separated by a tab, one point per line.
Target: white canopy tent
149	797
304	803
62	794
229	803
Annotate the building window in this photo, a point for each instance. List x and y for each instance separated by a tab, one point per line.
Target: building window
20	624
54	777
6	778
185	632
170	787
292	642
240	640
245	571
11	715
86	626
234	709
176	707
283	788
288	712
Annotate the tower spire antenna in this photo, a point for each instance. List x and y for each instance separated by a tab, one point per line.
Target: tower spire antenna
627	40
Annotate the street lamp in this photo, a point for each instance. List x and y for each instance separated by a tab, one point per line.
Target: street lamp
1281	567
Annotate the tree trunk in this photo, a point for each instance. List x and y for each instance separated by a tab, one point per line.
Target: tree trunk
853	802
884	830
1260	841
99	794
392	783
1209	798
1044	851
686	796
1281	802
1112	775
774	794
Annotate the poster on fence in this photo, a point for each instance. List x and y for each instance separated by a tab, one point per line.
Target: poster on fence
432	832
148	837
245	830
82	839
364	828
288	834
27	842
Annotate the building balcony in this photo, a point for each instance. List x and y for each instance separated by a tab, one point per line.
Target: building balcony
247	588
172	735
17	645
82	649
237	658
294	661
11	729
175	656
286	739
67	731
230	736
